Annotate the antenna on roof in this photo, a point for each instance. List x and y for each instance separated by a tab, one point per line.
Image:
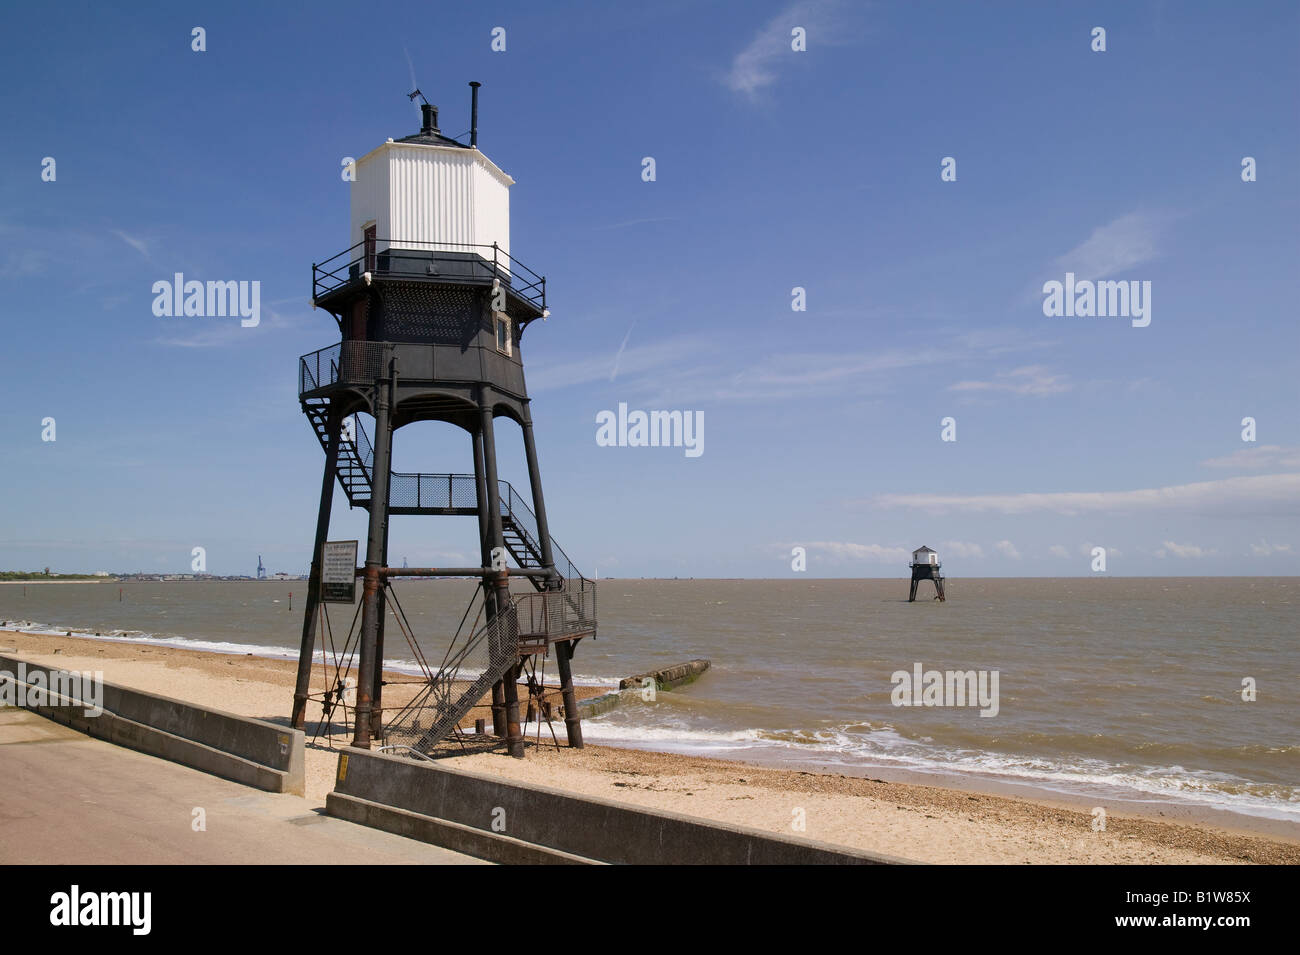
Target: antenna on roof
412	95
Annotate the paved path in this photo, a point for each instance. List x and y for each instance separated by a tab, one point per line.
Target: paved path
66	798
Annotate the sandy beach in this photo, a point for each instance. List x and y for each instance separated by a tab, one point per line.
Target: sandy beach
924	823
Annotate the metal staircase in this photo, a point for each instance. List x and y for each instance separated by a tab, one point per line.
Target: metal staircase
446	700
530	624
563	608
355	455
443	494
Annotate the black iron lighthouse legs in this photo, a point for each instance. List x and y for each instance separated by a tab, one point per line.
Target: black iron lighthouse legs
334	424
514	734
367	665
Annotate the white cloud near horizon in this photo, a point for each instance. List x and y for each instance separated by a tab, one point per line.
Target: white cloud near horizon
1111	550
1232	495
963	549
846	550
882	553
1265	549
1263	456
1183	550
1007	549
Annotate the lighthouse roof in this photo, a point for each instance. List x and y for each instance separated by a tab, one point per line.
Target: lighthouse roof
432	138
924	550
430	134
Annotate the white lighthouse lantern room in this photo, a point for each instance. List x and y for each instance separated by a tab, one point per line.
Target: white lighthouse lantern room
428	192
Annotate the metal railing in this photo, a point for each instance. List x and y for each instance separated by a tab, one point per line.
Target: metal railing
558	614
348	363
406	489
432	490
514	507
458	260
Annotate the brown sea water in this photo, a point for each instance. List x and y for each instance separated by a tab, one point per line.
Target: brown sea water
1119	685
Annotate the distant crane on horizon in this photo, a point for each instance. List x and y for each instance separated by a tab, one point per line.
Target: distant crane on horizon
261	571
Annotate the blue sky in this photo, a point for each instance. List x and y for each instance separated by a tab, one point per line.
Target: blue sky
774	169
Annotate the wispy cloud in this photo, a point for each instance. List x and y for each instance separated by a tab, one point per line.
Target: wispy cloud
962	549
1267	494
214	333
24	262
1058	550
700	368
1007	549
1035	380
845	550
1115	247
757	65
1086	549
638	359
1257	458
613	372
1265	549
1190	551
138	244
218	332
632	222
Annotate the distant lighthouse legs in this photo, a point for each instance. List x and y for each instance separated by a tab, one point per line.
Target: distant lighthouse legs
921	573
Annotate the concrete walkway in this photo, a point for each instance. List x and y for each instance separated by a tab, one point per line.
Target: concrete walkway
68	799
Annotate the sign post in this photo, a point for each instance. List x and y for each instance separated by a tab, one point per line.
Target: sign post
338	579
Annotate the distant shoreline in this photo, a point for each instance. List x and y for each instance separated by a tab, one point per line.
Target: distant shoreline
158	580
83	580
903	578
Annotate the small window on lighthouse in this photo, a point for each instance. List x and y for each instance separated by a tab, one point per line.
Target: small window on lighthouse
503	333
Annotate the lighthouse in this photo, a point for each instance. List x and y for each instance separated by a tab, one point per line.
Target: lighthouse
431	307
925	566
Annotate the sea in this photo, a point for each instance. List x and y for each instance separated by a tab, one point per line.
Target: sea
1179	691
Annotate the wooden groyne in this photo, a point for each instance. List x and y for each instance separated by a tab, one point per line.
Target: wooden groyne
668	677
665	678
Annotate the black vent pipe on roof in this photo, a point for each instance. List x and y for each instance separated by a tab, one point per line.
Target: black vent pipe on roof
430	114
473	113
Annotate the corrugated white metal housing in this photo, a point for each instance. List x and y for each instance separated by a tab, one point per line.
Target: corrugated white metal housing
431	197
